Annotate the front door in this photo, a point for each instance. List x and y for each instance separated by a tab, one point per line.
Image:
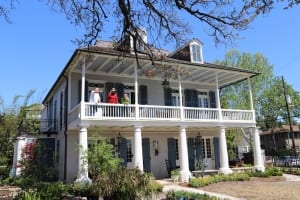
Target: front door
207	144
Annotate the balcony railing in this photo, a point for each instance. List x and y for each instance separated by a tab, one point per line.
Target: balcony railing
107	111
48	126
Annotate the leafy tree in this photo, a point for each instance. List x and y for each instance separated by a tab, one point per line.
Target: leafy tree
267	93
10	119
101	157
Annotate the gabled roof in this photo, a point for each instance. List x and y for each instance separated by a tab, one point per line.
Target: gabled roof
185	45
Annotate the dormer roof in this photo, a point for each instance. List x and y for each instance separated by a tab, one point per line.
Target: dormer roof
185	51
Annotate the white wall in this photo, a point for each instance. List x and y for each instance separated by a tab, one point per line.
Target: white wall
72	156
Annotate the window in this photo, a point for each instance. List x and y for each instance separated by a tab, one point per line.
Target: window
196	54
202	99
206	148
175	98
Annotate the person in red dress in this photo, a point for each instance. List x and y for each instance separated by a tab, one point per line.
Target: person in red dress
112	96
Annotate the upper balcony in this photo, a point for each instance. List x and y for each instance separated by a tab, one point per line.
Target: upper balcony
119	114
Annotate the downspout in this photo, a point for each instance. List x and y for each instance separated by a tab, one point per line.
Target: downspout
66	127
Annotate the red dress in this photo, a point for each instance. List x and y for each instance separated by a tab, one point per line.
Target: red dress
112	97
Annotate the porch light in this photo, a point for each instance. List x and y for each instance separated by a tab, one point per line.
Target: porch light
165	83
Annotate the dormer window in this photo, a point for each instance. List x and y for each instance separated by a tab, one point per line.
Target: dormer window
196	52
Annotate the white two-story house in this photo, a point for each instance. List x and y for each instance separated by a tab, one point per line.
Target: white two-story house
172	121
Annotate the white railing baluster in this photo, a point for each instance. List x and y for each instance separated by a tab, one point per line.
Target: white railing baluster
155	112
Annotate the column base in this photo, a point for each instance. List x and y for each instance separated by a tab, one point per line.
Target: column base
185	176
83	180
260	168
225	170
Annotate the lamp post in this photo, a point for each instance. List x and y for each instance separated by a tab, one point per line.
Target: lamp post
287	102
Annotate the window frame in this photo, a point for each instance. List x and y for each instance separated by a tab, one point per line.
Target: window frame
196	52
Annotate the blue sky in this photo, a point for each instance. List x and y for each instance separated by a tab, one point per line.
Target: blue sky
37	46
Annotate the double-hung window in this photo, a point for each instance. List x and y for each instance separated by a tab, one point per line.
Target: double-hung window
196	54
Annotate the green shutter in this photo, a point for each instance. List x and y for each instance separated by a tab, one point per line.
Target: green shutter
146	155
172	153
191	153
143	95
123	151
212	99
168	96
216	152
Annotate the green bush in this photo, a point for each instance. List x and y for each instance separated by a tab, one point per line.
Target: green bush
273	171
201	182
126	184
180	194
4	172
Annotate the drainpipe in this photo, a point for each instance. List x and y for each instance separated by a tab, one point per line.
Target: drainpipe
66	127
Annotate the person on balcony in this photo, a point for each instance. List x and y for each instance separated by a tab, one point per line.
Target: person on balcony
125	100
112	98
95	98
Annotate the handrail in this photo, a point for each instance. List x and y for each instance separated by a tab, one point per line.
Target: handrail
106	111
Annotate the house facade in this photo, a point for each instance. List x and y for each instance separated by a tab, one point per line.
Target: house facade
174	118
273	140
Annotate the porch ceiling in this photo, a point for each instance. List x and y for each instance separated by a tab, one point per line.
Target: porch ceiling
113	63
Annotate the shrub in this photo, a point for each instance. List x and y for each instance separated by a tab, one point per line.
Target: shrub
125	184
201	182
273	171
180	194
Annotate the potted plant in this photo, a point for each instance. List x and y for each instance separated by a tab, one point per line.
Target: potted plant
175	174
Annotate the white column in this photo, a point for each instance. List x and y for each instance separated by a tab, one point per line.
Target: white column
251	99
218	98
136	92
180	100
82	104
83	176
185	173
18	147
258	161
138	149
224	163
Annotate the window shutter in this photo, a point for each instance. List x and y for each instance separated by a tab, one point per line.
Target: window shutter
191	98
172	153
191	153
146	155
216	152
143	95
188	97
120	90
108	86
194	98
199	152
168	96
123	151
212	99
